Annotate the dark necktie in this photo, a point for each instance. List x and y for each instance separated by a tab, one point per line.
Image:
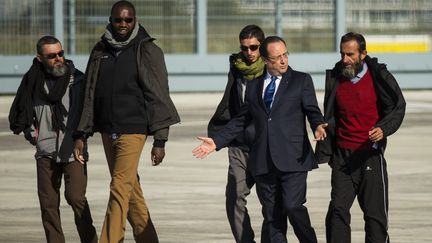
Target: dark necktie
269	92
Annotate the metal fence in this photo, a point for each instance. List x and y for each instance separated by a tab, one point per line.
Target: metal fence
23	22
198	35
307	25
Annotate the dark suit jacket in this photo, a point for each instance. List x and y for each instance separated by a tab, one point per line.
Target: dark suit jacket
281	137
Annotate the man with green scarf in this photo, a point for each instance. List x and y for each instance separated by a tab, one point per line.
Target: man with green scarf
244	66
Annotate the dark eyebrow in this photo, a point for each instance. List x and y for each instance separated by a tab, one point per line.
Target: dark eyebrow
347	53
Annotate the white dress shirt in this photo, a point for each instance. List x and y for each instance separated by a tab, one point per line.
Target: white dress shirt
267	81
360	74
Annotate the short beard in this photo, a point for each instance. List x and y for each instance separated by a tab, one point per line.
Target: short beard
120	38
57	71
351	72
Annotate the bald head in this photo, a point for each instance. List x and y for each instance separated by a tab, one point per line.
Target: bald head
122	20
121	5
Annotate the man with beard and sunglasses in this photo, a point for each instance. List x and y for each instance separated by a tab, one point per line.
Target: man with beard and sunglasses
46	109
363	105
245	66
126	100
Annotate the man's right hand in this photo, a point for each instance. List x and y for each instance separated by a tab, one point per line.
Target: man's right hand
78	150
205	148
29	137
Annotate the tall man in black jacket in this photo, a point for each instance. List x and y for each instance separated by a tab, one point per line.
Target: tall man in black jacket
278	103
363	105
244	67
126	100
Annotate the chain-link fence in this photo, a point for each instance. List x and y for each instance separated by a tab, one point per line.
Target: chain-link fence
307	25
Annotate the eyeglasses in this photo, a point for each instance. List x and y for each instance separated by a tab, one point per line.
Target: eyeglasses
251	47
282	56
119	20
54	55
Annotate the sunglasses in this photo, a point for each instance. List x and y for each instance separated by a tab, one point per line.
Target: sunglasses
251	47
119	20
54	55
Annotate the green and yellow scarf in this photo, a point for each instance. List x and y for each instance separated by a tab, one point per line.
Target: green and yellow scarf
249	71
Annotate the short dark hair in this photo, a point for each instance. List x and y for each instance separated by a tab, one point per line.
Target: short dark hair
251	31
267	41
45	40
354	36
122	4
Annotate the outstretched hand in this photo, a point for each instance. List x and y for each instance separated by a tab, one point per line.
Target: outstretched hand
320	132
205	148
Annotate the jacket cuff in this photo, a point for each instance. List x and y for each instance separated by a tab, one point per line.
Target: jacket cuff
79	135
161	134
159	143
218	143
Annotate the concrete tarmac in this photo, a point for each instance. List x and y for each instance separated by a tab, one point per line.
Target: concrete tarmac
186	195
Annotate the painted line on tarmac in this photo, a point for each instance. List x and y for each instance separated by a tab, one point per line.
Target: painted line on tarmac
191	123
4	134
418	106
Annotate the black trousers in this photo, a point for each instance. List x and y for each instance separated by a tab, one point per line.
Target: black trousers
283	194
363	174
49	174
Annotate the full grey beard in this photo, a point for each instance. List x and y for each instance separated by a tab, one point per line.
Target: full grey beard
57	71
351	72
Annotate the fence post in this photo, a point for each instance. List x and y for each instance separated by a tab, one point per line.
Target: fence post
58	20
201	29
340	26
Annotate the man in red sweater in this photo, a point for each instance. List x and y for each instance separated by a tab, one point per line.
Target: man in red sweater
363	105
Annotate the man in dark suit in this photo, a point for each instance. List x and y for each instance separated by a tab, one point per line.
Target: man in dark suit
281	155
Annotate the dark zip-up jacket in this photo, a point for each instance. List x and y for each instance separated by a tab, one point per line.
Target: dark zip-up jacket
153	81
119	100
391	106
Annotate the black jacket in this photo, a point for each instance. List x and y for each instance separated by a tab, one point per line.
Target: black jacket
117	86
153	80
391	105
21	114
228	108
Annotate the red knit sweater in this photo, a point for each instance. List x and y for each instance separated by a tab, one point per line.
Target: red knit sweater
358	113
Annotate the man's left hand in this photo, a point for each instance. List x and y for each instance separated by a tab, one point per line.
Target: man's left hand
157	155
320	132
376	134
